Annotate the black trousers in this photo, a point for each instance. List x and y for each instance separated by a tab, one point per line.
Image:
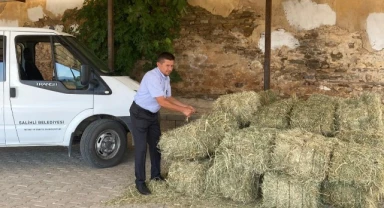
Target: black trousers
146	130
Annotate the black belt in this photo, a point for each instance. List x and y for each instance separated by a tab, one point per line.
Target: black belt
145	110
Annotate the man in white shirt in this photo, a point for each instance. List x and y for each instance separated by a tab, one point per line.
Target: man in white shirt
154	92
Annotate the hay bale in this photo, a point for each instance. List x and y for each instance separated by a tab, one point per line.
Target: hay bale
248	148
360	113
285	191
268	97
242	105
302	154
357	164
275	115
339	194
373	138
188	177
229	180
316	114
197	139
239	160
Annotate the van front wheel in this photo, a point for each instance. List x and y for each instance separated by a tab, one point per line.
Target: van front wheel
103	143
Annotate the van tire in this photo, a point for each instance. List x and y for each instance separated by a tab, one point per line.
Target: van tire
103	143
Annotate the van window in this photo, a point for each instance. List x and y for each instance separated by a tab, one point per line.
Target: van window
2	58
67	67
46	58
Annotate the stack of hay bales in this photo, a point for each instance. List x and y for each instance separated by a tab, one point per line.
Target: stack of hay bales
316	115
239	162
190	148
356	176
300	162
323	150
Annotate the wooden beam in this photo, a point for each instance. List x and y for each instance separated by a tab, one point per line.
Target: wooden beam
267	35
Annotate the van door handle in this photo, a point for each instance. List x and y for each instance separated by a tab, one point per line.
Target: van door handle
12	92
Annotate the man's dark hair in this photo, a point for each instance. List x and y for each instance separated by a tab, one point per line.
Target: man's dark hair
165	56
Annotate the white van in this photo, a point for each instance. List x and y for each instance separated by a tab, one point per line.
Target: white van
53	91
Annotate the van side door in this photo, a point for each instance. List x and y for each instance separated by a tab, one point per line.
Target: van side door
49	94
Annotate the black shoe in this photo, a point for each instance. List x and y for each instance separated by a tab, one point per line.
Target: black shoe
143	189
158	178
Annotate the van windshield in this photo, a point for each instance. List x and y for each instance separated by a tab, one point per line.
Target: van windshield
100	65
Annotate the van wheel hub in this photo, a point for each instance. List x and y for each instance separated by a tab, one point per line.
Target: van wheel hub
108	144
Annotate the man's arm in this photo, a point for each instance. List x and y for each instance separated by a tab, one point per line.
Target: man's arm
171	104
177	102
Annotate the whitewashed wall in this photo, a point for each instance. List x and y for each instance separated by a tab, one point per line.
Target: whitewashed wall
18	13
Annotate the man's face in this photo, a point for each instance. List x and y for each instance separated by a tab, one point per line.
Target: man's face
165	66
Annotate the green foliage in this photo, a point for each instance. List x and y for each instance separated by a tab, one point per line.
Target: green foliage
142	29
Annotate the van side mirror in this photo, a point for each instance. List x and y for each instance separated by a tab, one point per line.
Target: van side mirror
85	75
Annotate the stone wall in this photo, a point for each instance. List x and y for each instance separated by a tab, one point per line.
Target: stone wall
218	55
213	55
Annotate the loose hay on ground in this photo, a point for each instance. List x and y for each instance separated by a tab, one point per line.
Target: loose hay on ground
340	194
188	177
197	139
274	115
360	113
238	163
316	114
284	191
160	194
357	164
242	105
302	154
164	196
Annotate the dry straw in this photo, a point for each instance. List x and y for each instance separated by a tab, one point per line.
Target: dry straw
268	97
274	115
197	139
164	196
374	138
188	177
248	148
341	194
242	105
302	154
284	191
236	183
238	163
358	164
360	113
316	114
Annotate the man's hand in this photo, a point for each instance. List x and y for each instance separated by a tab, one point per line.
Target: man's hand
188	111
173	104
192	108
